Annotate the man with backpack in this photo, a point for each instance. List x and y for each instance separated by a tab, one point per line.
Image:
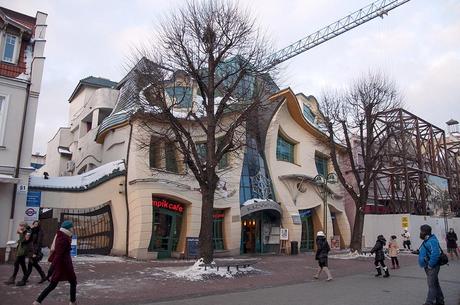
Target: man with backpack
429	258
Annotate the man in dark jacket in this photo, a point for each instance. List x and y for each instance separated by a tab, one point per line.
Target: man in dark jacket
34	254
428	258
379	261
322	250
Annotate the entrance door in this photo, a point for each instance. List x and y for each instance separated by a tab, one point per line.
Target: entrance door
165	233
307	239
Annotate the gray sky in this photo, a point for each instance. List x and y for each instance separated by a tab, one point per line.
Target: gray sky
417	45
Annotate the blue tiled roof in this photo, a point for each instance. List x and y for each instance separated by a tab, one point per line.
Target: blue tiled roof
92	81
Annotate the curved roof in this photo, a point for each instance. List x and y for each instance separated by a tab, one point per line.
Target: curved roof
91	81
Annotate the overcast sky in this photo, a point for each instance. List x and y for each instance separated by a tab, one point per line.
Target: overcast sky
417	45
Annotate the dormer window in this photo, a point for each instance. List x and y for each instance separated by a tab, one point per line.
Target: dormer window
10	48
308	114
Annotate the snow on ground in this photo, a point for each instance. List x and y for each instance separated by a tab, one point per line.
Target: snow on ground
197	272
98	259
350	255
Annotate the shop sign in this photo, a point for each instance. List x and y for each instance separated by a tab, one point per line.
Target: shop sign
305	213
259	206
218	215
165	204
73	246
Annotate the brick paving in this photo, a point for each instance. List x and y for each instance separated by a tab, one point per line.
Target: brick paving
137	282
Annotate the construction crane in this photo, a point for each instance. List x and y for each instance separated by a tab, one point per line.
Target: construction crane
361	16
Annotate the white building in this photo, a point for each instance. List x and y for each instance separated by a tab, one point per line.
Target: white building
22	43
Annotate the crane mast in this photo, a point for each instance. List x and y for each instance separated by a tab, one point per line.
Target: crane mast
361	16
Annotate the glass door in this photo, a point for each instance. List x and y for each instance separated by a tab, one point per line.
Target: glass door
165	232
307	238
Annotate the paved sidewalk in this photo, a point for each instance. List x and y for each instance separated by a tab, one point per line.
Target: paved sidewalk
407	287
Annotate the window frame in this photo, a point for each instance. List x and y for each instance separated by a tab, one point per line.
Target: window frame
3	118
292	144
322	157
15	48
310	116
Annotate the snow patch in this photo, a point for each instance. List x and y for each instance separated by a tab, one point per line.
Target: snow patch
351	255
197	272
98	259
79	181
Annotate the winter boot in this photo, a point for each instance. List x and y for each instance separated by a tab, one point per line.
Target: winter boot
379	271
328	273
316	276
21	282
387	274
10	281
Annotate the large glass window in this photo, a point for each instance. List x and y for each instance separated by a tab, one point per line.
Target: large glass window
321	165
10	47
284	150
308	114
2	118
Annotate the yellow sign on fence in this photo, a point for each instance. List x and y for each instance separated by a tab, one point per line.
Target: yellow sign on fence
404	221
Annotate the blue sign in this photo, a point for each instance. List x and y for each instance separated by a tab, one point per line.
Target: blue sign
34	199
192	247
305	213
73	246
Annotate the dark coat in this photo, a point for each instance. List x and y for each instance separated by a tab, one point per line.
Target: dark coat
62	262
378	249
36	242
451	238
24	244
322	249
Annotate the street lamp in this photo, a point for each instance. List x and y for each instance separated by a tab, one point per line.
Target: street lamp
322	182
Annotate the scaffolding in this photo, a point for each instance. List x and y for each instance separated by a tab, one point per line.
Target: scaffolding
418	165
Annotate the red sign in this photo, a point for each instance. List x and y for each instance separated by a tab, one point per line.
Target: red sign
165	204
218	216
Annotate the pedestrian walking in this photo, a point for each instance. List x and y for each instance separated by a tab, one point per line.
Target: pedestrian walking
393	251
406	239
21	252
35	254
452	246
428	258
62	264
379	261
322	250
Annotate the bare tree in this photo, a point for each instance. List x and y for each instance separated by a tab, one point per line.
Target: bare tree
197	86
352	119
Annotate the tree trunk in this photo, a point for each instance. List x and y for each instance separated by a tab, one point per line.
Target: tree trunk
205	238
357	236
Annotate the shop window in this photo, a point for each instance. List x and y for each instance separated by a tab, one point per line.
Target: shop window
308	114
321	164
10	48
182	96
284	150
217	230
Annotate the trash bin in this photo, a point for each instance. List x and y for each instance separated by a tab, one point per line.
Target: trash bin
294	247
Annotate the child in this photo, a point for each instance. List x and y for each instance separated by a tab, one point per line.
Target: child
380	256
393	250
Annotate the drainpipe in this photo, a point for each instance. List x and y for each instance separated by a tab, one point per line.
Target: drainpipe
18	159
126	187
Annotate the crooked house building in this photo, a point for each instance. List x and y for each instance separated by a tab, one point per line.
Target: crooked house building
145	203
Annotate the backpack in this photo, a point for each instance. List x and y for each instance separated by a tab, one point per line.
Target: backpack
443	259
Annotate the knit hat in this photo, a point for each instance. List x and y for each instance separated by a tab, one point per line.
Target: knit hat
320	233
67	224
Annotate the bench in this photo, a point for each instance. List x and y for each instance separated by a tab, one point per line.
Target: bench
237	264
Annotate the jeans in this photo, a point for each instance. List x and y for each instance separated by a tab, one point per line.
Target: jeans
53	285
20	261
435	295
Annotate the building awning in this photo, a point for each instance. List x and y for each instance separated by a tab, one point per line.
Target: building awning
255	205
9	179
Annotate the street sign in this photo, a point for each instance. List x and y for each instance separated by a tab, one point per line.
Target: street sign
31	214
405	222
34	199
